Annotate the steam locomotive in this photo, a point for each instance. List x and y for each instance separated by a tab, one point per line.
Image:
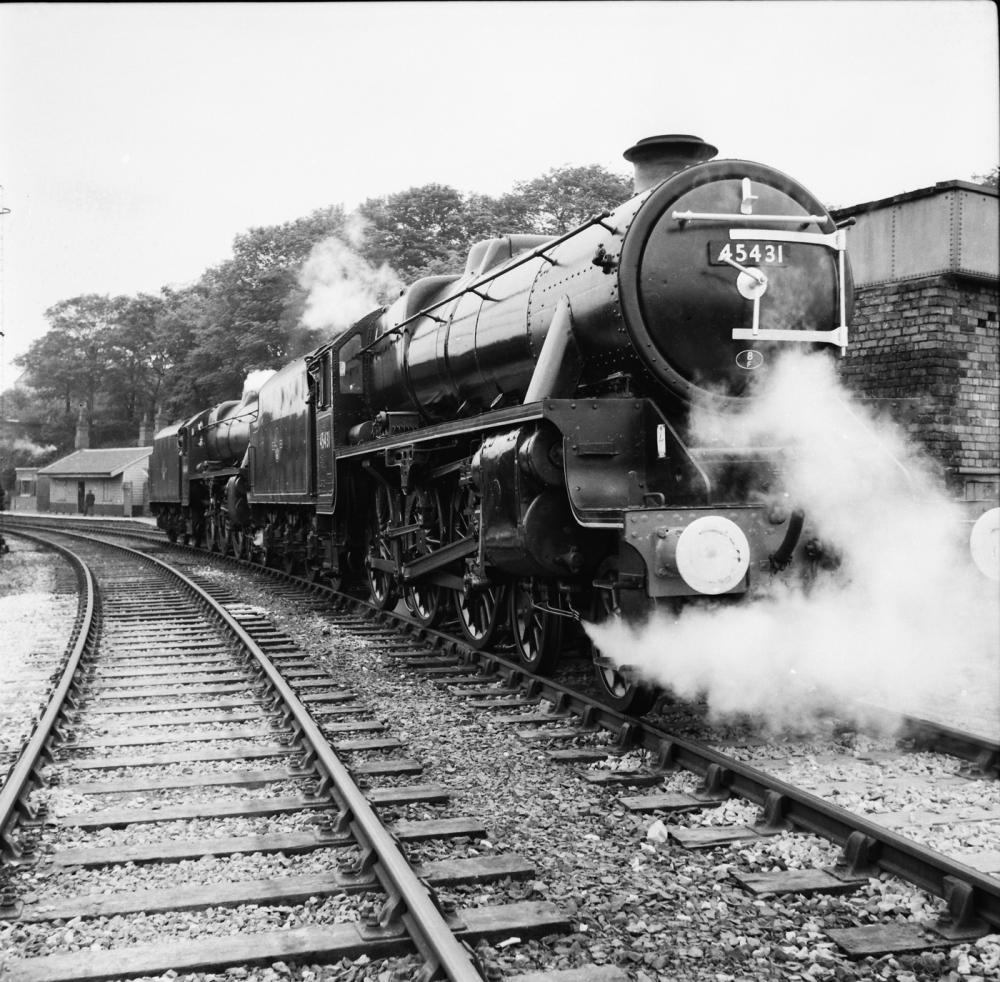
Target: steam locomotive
509	446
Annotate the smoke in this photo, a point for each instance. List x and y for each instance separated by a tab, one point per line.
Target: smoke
255	379
906	616
342	285
30	449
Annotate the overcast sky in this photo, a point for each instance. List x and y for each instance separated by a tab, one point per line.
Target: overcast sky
137	140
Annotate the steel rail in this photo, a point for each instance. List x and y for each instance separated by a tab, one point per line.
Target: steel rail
870	844
431	931
930	734
81	639
978	748
782	802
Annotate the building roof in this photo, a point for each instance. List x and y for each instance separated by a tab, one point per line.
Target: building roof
928	192
97	463
950	229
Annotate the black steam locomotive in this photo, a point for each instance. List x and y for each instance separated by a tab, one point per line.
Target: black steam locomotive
508	446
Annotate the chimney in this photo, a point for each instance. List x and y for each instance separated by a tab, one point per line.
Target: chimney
82	441
144	434
657	157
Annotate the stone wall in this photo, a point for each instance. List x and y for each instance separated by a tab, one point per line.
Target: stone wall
930	348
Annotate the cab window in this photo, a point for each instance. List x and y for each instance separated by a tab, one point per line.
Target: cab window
319	383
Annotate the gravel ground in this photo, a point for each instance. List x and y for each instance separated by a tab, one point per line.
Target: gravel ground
37	615
145	833
103	933
77	882
872	777
180	768
635	899
658	911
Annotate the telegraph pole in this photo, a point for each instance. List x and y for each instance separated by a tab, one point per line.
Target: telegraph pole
3	415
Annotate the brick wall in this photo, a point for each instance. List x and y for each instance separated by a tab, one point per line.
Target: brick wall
930	347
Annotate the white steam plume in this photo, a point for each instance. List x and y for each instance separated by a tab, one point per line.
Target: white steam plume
342	285
256	379
907	616
29	447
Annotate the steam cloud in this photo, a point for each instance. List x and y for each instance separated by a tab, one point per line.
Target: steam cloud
342	285
256	379
907	616
34	450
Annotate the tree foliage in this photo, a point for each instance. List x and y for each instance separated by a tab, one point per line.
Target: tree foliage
990	179
422	230
126	357
562	198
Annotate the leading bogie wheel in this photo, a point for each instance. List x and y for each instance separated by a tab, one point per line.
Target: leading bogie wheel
424	603
618	689
624	694
480	613
537	632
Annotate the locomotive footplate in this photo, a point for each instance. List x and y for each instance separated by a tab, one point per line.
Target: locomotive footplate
700	551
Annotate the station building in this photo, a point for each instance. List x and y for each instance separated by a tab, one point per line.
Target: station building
925	337
118	478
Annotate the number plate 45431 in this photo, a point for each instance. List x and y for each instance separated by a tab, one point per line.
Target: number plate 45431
747	253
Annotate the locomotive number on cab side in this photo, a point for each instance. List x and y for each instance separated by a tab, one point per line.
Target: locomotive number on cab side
753	253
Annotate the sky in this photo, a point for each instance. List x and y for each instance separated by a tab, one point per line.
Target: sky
137	140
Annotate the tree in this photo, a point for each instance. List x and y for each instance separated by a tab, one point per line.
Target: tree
189	348
422	230
136	364
69	362
183	315
991	179
244	313
29	442
563	198
429	229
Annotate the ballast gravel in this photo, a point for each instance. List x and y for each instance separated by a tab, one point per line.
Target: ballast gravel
37	611
29	940
658	911
79	882
635	899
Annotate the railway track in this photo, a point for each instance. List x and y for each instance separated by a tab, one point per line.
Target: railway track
150	684
618	755
918	731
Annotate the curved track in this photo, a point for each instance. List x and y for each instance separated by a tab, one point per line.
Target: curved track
491	682
146	645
